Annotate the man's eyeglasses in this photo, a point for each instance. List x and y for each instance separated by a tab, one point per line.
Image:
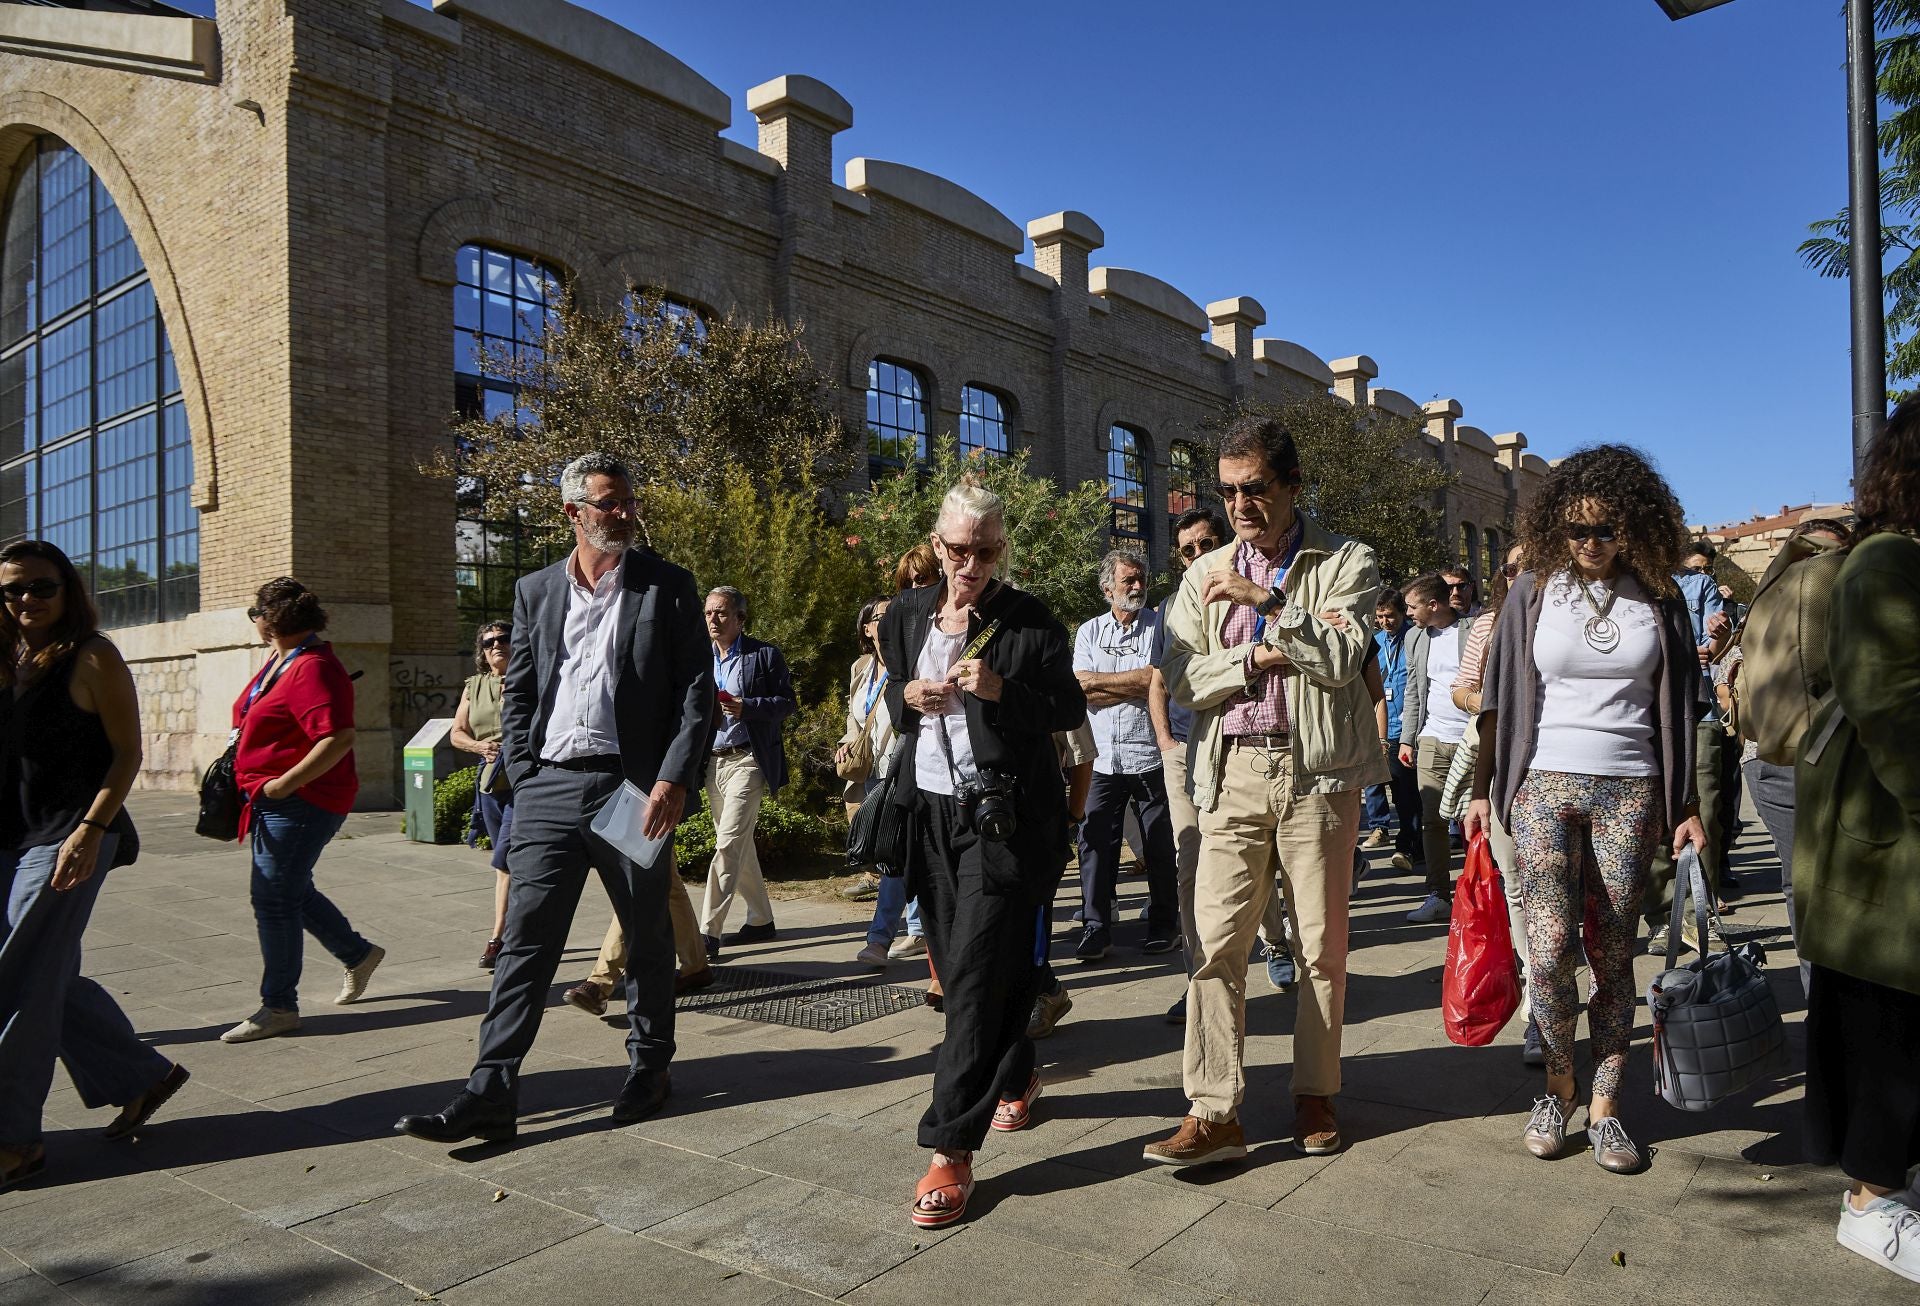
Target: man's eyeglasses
1459	584
987	553
627	505
1227	490
254	614
495	641
1580	533
22	590
1198	547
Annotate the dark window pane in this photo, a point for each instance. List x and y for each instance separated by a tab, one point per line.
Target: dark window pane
20	260
16	404
66	379
66	250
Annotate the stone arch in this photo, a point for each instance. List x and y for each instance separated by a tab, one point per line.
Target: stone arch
478	220
714	295
901	347
25	115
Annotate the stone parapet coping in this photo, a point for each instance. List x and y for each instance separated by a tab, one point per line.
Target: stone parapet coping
1148	292
187	48
423	21
937	197
806	96
601	44
1392	401
1475	438
1297	359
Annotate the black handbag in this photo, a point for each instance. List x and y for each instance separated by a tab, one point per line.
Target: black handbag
879	832
1716	1025
220	801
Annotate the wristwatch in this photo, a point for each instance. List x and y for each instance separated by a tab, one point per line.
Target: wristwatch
1272	603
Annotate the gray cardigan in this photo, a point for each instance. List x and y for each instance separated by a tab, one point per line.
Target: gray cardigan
1510	687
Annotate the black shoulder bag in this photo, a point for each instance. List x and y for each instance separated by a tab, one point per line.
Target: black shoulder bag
220	798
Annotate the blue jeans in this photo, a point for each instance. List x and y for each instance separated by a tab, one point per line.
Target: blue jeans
1377	815
48	1008
288	836
888	910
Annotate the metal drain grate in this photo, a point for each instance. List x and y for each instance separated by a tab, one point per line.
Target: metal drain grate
775	997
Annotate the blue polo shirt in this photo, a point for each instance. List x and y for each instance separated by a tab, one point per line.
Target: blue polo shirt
1390	651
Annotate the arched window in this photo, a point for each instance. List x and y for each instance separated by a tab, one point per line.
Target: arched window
94	449
1183	481
502	304
983	421
1127	462
896	417
1470	549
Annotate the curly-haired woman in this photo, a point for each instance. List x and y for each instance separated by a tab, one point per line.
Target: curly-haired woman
294	765
476	730
1856	866
1586	755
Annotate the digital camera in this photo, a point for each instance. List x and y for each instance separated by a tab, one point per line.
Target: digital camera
986	804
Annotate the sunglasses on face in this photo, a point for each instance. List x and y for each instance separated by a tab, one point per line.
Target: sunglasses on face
1198	547
254	614
962	552
1460	585
494	641
21	591
1228	491
1580	533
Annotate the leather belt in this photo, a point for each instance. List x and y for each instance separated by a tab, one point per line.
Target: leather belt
734	751
1270	743
607	762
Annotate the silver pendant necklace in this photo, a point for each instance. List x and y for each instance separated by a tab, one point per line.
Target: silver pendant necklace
1601	632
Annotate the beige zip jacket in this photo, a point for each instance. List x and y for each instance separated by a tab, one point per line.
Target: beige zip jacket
1335	743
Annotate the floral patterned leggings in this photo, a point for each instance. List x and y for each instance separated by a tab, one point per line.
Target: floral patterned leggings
1584	844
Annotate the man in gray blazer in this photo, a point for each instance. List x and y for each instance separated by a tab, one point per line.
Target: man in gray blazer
611	678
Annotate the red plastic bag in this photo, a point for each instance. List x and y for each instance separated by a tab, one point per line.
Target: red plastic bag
1481	988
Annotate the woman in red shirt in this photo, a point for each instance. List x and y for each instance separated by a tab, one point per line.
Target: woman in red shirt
294	764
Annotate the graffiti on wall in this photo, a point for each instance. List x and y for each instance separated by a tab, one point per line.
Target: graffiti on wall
422	686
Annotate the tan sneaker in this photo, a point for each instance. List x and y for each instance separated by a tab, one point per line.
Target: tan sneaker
264	1023
1374	839
354	984
1315	1130
1198	1142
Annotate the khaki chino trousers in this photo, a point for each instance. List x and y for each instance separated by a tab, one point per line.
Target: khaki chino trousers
1259	827
687	945
1186	859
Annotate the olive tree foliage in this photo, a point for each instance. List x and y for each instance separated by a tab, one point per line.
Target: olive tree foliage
1055	537
1360	480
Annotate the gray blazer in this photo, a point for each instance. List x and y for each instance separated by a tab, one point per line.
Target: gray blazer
663	701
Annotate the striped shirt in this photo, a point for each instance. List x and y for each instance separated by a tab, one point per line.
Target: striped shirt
1122	732
1263	709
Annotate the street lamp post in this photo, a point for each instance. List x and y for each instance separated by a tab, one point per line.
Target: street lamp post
1863	200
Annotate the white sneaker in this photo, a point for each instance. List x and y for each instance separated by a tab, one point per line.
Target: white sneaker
1431	912
1402	862
872	955
911	945
1887	1233
264	1023
354	983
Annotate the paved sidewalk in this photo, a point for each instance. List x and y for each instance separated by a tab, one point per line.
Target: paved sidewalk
783	1168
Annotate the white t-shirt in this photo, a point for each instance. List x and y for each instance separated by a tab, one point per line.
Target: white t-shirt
1596	710
937	657
1442	720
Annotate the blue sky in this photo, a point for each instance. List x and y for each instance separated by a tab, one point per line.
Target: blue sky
1574	216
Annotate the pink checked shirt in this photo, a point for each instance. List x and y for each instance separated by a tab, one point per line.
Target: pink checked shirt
1267	713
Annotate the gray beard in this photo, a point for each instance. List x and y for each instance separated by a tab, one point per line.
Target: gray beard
1131	605
606	542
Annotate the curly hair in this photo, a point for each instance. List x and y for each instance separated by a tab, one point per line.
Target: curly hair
1887	491
480	642
1647	519
289	608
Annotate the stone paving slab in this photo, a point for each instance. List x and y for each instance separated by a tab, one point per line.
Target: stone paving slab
781	1170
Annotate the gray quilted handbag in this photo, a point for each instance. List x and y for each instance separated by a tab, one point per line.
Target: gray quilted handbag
1716	1026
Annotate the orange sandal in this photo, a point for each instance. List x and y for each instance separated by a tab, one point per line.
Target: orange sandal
1017	1113
958	1178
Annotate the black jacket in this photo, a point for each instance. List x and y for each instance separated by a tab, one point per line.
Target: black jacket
1031	653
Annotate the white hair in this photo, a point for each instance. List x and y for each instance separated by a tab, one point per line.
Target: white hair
573	477
1116	559
967	502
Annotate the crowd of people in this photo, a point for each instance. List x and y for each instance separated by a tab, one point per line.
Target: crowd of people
1252	736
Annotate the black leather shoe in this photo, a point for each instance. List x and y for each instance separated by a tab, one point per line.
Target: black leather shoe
467	1116
751	934
645	1092
712	946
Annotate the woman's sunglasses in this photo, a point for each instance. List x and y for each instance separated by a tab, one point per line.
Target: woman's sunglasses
22	590
1580	533
494	641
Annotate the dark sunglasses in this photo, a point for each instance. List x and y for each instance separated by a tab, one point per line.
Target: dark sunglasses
961	552
21	591
494	641
1227	490
1580	533
1198	547
254	614
1460	585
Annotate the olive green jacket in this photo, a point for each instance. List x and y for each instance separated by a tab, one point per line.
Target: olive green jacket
1856	861
1335	744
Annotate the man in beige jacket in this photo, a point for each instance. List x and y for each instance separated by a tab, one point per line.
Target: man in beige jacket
1283	742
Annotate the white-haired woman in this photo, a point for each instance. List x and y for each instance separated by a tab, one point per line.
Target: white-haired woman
980	676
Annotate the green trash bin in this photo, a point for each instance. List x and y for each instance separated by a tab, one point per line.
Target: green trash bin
428	758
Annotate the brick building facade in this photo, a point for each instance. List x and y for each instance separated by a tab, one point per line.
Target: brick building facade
323	193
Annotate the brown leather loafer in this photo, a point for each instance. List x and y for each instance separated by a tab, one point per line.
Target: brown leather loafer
1198	1142
1315	1130
588	997
692	981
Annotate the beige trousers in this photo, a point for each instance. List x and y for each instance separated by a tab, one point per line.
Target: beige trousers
612	963
1186	858
1258	827
734	790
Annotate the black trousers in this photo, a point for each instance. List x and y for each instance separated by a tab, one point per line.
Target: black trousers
1100	841
1403	786
1863	1078
984	946
546	869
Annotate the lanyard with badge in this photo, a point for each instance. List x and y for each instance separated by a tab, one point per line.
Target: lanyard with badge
263	682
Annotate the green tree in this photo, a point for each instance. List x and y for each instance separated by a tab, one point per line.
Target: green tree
1897	63
1055	537
1360	480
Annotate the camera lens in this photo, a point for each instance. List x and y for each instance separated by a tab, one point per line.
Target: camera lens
994	819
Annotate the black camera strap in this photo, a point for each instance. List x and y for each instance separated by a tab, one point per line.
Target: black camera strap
946	748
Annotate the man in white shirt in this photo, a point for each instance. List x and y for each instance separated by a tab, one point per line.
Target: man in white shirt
1431	728
1112	658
